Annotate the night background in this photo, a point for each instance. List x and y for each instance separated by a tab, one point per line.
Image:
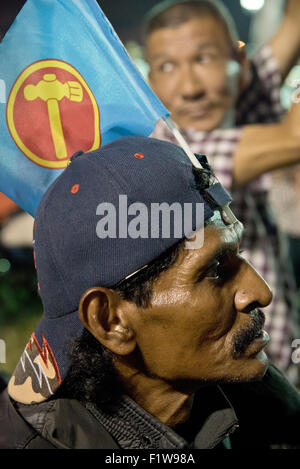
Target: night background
126	15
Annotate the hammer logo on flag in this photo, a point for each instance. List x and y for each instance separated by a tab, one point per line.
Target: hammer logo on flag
51	113
53	82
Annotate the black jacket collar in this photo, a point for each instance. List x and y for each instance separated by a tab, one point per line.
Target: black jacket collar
66	423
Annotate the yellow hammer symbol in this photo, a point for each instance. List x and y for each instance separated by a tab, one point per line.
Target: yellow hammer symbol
50	90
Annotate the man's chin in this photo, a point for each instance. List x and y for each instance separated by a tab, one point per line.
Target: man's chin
246	369
262	358
254	367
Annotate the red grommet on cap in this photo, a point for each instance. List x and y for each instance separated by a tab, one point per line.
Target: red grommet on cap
75	188
139	155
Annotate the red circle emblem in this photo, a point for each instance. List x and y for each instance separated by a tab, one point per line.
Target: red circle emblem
51	113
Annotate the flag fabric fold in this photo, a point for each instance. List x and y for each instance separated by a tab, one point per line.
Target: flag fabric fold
67	84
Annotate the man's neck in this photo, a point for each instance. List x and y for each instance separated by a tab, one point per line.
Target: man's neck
155	395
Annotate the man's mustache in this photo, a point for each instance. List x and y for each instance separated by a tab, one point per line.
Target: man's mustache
244	337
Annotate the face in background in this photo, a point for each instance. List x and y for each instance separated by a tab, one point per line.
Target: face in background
203	325
189	72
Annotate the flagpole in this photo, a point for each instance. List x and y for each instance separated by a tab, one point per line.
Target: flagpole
182	142
185	146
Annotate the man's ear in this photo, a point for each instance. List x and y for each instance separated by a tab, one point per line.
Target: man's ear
245	76
103	313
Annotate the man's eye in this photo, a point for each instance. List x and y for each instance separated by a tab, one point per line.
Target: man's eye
204	58
214	271
222	269
225	268
207	58
166	67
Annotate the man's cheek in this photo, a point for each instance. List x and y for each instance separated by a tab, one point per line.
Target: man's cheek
162	91
217	328
221	86
225	321
222	92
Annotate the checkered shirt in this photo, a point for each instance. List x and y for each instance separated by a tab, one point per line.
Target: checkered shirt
263	246
287	206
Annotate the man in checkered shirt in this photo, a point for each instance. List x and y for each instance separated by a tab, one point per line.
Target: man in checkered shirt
228	108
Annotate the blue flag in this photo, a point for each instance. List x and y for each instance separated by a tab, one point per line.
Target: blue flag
66	84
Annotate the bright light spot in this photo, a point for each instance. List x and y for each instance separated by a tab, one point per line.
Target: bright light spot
241	44
252	5
4	266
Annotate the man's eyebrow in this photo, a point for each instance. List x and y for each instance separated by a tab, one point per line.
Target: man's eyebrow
167	55
218	254
207	45
222	251
215	256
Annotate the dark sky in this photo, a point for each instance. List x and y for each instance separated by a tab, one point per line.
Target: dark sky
125	15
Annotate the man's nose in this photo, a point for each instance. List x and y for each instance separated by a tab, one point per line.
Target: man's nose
191	85
253	292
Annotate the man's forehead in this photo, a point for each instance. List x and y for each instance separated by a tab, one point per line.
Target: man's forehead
219	234
195	34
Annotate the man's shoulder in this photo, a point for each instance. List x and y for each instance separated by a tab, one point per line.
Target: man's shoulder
268	410
273	395
15	432
54	424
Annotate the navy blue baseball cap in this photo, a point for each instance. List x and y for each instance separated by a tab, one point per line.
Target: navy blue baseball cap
81	240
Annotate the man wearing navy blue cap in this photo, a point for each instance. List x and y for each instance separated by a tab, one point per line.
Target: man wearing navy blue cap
142	325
